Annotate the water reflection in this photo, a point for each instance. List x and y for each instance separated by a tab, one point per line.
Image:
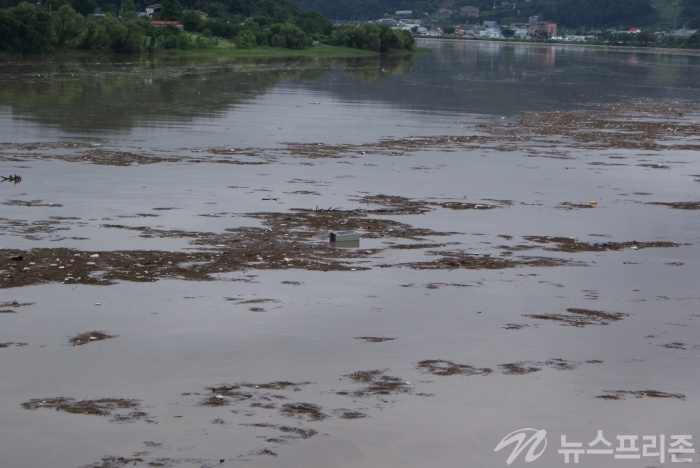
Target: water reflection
505	78
115	95
371	69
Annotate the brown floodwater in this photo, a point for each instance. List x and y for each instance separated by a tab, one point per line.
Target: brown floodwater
528	258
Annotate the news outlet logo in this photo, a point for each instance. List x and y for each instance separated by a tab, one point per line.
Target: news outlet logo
531	443
526	438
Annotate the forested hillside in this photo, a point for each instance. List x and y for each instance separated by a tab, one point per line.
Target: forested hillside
691	13
277	10
591	14
369	9
568	13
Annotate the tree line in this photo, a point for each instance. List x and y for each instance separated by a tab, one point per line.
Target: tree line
26	28
279	10
29	28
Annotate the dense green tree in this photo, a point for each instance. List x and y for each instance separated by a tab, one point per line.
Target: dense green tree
370	37
111	35
130	41
389	39
128	6
245	40
53	5
313	22
262	36
694	41
646	38
128	9
373	37
67	24
26	28
192	21
171	10
95	36
84	7
287	36
507	32
217	10
221	28
12	32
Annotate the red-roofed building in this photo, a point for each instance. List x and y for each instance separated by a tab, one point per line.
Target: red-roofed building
175	24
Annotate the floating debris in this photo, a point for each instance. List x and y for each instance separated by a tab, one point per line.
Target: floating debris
442	367
12	343
581	317
302	410
378	383
101	407
345	236
374	339
622	394
90	337
12	178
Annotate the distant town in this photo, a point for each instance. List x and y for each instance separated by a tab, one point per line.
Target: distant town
536	28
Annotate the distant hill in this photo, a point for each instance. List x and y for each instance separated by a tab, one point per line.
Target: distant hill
690	14
588	14
591	14
277	10
366	9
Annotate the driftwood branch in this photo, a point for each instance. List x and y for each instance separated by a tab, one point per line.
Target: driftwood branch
11	178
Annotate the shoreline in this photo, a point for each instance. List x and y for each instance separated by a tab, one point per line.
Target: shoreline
669	50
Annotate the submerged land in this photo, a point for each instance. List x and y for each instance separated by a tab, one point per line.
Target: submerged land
434	251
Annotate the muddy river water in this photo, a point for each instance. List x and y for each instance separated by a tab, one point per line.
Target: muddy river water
524	290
